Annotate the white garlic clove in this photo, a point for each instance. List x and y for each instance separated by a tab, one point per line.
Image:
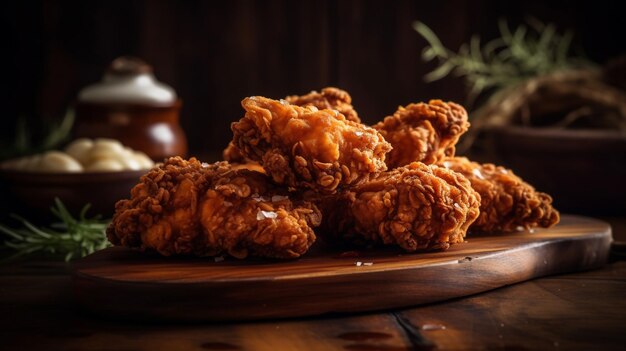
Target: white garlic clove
104	148
79	149
127	159
56	161
130	163
110	143
144	161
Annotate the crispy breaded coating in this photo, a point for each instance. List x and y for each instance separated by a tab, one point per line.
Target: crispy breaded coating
507	202
232	154
329	98
423	132
190	208
303	147
251	166
417	206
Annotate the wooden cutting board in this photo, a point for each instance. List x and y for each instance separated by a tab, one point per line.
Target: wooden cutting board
122	283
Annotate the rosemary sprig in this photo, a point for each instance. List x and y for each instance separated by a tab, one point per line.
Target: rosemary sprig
71	237
527	52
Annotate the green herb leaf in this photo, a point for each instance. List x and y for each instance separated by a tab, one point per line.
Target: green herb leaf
70	238
526	52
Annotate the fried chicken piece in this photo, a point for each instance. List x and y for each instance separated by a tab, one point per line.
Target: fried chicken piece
417	206
190	208
308	148
423	132
328	98
507	202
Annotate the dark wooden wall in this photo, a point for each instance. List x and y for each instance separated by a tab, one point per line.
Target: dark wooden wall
214	53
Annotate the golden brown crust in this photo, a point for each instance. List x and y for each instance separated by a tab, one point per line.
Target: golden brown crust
416	207
237	160
303	147
329	98
251	166
186	207
232	154
507	202
423	132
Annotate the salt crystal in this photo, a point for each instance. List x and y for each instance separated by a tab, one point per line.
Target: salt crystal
256	197
261	215
205	165
358	134
519	228
478	174
368	263
359	264
270	214
433	327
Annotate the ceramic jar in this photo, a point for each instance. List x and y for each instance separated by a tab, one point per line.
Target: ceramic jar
132	106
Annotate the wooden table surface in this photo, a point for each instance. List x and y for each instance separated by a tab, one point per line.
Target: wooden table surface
582	311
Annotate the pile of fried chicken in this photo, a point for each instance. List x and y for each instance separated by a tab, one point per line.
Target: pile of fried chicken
306	165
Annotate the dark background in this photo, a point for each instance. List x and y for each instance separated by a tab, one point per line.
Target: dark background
214	53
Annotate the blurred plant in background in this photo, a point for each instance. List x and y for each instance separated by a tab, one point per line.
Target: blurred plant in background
527	52
26	142
529	77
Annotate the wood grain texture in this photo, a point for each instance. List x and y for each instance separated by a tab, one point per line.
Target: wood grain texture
122	283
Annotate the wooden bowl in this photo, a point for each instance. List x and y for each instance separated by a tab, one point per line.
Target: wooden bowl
583	170
35	191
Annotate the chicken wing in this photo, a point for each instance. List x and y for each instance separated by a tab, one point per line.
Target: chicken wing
423	132
507	202
328	98
308	148
186	207
417	206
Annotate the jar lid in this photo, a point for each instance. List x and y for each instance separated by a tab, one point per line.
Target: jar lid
128	80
